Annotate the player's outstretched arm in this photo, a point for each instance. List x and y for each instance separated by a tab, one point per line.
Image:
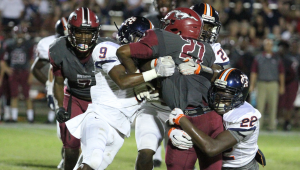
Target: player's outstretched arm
59	90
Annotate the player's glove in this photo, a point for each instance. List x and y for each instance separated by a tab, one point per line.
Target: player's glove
175	116
62	115
143	91
165	66
191	67
180	138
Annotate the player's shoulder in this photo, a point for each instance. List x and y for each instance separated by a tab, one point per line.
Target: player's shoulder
57	48
245	111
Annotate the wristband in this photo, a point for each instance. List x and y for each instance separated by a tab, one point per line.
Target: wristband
198	70
149	75
170	131
178	118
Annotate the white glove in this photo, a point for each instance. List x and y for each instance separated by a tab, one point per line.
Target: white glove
175	116
180	139
189	67
50	99
143	91
165	66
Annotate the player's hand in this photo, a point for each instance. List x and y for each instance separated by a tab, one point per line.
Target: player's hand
143	91
180	139
175	116
61	115
165	66
189	67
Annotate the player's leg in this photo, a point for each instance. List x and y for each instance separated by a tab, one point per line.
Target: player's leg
149	132
261	100
70	143
14	84
157	157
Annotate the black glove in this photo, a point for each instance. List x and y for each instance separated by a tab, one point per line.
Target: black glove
50	102
61	115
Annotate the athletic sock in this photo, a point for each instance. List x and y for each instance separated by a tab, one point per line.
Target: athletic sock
14	114
30	115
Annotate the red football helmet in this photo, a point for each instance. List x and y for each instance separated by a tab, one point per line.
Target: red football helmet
83	28
183	21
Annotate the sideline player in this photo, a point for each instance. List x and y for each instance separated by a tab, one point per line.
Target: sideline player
42	59
185	92
238	142
105	124
71	59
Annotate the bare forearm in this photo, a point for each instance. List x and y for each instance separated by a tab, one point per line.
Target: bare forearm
123	53
281	79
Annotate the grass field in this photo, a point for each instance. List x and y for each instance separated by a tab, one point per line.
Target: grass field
35	147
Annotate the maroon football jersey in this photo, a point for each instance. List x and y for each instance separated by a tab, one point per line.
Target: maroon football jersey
177	90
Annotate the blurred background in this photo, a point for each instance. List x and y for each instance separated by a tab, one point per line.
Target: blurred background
245	26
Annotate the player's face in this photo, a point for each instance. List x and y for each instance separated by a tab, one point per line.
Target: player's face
83	37
206	31
223	98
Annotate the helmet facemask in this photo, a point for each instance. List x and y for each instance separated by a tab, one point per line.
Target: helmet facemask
210	32
224	98
83	38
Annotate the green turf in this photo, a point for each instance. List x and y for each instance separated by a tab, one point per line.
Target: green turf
36	147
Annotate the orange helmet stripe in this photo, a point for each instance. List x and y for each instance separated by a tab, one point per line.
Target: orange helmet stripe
204	8
210	10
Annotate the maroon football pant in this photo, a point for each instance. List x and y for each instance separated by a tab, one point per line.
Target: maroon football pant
177	159
78	107
19	78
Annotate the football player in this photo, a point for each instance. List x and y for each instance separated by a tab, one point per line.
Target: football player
182	29
105	124
71	59
19	55
42	59
238	142
210	31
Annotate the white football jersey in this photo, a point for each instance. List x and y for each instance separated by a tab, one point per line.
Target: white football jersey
221	56
244	122
107	92
43	47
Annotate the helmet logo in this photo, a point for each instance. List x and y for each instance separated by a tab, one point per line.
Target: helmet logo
244	80
130	21
181	15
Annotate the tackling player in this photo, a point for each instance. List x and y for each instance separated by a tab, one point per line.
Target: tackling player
105	124
182	29
238	142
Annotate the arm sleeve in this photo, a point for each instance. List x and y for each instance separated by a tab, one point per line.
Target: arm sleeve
144	48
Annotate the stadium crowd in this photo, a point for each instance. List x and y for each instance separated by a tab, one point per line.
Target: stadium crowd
261	38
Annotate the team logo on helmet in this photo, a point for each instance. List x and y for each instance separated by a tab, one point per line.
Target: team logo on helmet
181	15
